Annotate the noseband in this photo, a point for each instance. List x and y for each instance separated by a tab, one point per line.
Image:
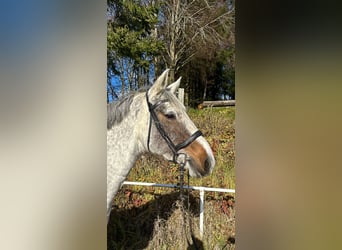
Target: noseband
174	148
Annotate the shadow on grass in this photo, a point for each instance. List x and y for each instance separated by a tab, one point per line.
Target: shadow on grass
196	245
132	228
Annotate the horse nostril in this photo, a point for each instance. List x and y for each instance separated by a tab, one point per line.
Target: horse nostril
207	165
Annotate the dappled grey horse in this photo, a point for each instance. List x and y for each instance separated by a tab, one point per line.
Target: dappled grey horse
153	121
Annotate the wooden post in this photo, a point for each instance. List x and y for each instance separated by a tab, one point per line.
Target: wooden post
181	95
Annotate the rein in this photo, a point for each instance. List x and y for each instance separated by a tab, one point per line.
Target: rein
181	164
178	158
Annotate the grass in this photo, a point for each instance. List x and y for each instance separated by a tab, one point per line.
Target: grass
151	218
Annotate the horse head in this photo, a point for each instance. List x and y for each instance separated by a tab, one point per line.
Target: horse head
171	131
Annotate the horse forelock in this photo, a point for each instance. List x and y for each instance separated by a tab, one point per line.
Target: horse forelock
172	99
117	111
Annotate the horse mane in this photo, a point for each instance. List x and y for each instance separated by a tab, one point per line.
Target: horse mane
117	111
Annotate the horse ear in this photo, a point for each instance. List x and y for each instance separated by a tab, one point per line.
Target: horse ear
174	86
160	83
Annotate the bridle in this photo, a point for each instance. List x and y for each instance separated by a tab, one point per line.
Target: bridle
177	158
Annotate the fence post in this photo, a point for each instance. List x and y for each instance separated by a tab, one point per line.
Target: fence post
181	95
201	211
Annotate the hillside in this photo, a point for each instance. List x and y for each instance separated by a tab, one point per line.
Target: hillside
151	218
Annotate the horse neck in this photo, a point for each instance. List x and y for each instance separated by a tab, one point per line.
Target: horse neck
125	142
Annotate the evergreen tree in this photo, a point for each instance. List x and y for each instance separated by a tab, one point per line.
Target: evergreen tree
130	45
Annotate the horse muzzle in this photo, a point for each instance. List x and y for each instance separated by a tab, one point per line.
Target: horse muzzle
200	162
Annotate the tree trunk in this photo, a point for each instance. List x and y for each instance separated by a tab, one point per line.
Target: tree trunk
172	74
205	90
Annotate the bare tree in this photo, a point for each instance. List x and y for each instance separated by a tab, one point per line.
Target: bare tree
186	26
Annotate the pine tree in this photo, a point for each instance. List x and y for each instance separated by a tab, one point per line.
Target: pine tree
130	46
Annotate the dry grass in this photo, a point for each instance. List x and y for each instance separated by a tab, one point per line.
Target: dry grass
152	218
172	234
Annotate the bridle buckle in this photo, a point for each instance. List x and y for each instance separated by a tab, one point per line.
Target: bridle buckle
180	158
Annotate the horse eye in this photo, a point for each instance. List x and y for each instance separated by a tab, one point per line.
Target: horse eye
170	116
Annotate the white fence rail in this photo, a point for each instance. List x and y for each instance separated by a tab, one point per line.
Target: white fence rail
200	189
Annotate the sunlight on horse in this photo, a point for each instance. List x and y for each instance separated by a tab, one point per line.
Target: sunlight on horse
154	121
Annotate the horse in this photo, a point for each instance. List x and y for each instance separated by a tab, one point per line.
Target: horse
152	121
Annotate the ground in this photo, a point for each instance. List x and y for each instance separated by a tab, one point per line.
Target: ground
152	218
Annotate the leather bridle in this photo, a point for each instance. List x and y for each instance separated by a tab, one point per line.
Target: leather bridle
174	148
